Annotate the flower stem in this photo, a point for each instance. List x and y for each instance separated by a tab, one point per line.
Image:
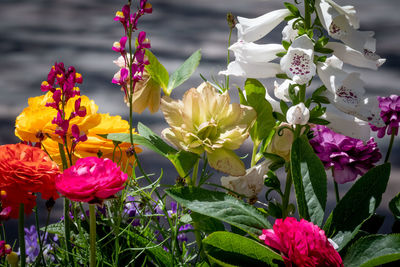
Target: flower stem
307	15
390	146
286	195
228	58
254	153
40	256
21	234
336	191
92	218
67	230
195	171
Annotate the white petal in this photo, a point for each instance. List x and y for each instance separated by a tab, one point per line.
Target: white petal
251	30
356	58
288	33
298	114
252	70
298	63
281	91
251	52
349	126
275	104
349	12
249	184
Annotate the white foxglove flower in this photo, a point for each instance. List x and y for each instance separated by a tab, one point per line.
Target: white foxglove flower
348	11
288	33
249	184
298	114
281	91
346	92
253	60
338	22
348	125
298	63
251	30
364	59
275	104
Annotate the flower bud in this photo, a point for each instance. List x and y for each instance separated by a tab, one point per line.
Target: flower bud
12	259
281	143
298	114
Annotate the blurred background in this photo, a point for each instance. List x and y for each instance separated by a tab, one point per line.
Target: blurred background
35	34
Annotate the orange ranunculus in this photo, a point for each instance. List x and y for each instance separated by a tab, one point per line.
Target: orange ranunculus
37	118
25	170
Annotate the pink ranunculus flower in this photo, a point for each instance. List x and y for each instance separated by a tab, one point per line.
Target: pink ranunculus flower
91	180
301	243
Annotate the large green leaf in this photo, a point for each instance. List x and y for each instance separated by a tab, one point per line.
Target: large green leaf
255	97
229	249
309	179
361	200
207	224
373	250
183	161
221	206
184	71
394	206
156	70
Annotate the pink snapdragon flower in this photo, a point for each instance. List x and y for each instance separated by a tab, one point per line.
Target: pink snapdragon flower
91	180
348	157
301	243
390	114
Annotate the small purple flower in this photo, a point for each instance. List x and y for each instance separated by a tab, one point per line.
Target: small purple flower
32	247
130	211
390	114
348	157
182	232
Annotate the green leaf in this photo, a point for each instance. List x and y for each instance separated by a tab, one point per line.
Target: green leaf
229	249
55	228
222	207
285	44
184	71
309	179
207	224
318	121
323	50
265	122
183	161
282	76
156	70
373	250
360	201
242	98
155	252
281	54
147	133
394	206
292	8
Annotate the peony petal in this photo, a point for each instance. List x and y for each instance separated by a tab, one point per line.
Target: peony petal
226	161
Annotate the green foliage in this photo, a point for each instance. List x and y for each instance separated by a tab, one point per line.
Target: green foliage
265	122
373	250
394	206
229	249
309	180
359	203
184	71
156	70
222	207
183	161
207	224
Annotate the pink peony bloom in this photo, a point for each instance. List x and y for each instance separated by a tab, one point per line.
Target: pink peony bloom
390	114
91	180
301	243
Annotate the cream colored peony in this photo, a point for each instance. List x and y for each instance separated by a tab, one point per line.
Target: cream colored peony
205	121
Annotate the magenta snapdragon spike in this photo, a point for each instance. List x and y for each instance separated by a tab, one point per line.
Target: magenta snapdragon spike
390	114
348	157
61	83
120	46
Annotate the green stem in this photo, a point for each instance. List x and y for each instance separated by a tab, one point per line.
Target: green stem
40	256
199	239
307	15
254	153
21	234
92	217
195	171
67	230
390	147
286	195
228	57
336	191
302	93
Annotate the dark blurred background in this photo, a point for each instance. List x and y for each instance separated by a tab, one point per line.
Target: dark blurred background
35	34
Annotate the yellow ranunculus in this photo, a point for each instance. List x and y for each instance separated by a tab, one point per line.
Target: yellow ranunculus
37	118
205	121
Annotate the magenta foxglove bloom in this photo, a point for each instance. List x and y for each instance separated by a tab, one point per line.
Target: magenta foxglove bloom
347	156
390	114
301	243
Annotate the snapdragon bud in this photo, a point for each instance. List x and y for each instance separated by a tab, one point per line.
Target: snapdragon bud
298	114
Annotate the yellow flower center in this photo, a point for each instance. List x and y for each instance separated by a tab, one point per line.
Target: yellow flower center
119	14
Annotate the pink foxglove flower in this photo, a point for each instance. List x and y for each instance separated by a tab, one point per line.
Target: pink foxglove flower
301	243
390	114
91	180
348	157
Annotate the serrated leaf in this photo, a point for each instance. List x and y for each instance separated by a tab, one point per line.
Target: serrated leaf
235	250
265	122
373	250
360	201
55	228
222	207
309	179
184	71
156	70
394	206
207	224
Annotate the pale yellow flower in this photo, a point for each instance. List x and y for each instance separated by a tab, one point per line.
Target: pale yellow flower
281	144
205	121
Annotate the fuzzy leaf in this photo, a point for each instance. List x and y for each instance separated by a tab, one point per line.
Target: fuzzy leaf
156	70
